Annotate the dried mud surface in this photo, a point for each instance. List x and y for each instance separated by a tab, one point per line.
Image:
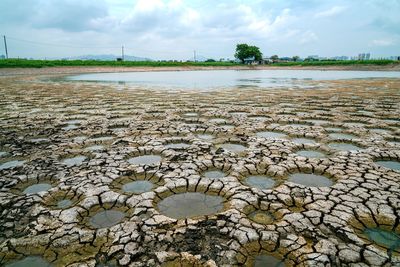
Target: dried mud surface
80	139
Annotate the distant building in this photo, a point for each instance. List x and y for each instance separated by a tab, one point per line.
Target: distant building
250	60
364	56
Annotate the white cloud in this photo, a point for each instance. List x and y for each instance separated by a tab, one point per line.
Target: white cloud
308	37
382	42
333	11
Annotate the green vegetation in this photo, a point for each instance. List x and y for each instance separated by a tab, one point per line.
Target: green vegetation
244	51
337	62
27	63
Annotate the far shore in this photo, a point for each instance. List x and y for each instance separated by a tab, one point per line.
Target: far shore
84	69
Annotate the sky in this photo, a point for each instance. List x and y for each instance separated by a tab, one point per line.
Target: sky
174	29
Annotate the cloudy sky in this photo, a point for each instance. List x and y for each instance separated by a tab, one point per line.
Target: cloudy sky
172	29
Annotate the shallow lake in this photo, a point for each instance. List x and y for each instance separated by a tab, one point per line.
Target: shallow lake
228	78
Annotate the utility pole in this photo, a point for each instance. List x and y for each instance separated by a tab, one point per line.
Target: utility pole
5	45
194	53
123	53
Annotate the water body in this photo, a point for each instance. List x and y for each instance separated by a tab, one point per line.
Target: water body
37	188
271	134
137	187
187	205
228	78
388	239
235	148
106	218
342	136
214	174
262	217
260	181
303	141
311	180
344	146
267	261
206	137
178	145
75	161
311	154
30	261
11	164
390	164
65	203
145	160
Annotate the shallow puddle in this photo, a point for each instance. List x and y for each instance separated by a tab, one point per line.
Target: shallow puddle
217	121
187	205
178	145
334	129
205	136
390	164
65	203
30	261
11	164
267	261
145	160
381	237
94	148
37	188
311	154
236	148
260	181
303	141
191	114
137	187
270	134
318	122
311	180
344	146
227	126
262	217
214	174
106	218
342	136
75	161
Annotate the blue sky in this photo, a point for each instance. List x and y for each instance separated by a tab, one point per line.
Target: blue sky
172	29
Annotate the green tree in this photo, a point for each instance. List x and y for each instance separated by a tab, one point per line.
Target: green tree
274	58
295	58
244	51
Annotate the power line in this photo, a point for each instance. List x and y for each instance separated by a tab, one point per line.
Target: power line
5	45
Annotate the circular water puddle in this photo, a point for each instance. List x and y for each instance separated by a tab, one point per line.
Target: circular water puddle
227	126
30	261
303	141
191	114
217	121
334	129
262	217
106	218
311	180
271	134
137	187
63	204
311	154
36	188
344	146
318	122
191	204
235	148
381	237
74	161
181	145
238	113
205	136
267	261
11	164
145	160
260	181
341	136
70	127
390	164
214	174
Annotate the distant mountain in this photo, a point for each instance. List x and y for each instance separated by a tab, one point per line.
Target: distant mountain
108	57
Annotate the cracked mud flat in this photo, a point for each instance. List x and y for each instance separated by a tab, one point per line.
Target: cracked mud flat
69	150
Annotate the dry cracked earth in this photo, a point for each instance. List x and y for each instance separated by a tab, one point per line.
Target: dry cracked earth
107	175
